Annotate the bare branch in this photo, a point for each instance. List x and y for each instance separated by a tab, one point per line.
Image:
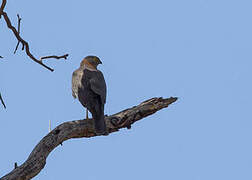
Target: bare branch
25	44
82	128
19	20
2	7
55	57
2	101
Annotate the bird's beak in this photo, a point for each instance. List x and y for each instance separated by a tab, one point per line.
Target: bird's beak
99	61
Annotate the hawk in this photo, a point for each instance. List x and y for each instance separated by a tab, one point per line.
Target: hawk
88	85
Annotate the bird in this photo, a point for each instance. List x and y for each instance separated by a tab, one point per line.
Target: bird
89	86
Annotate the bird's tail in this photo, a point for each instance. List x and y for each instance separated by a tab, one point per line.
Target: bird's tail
99	120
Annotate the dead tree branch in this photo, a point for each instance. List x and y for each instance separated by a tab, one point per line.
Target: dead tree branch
2	7
82	128
55	57
2	101
1	11
19	21
24	43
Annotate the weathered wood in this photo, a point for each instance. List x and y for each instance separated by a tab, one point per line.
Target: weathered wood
82	128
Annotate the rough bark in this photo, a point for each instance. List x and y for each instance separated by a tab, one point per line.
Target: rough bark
82	128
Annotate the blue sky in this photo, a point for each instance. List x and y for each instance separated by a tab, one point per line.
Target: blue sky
198	50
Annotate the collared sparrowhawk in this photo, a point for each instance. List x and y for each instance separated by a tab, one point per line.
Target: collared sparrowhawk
88	85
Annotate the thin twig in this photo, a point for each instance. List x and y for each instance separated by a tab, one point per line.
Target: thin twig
19	20
15	165
49	129
2	101
2	7
55	57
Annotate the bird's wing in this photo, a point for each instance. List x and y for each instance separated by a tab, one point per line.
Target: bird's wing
98	85
76	82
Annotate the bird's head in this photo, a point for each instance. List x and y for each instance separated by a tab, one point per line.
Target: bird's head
91	62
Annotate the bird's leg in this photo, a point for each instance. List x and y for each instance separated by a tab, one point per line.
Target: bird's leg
86	114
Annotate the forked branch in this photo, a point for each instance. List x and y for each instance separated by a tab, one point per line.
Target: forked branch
82	128
22	41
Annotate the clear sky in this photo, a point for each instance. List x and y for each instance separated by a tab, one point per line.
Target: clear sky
197	50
